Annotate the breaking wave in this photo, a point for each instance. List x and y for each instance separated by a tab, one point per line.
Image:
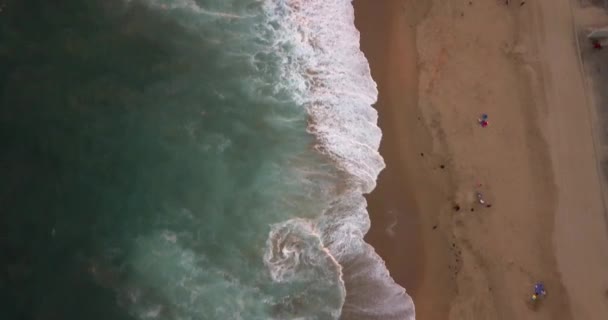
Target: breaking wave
331	79
319	261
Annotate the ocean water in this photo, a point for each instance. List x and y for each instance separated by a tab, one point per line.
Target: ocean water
188	159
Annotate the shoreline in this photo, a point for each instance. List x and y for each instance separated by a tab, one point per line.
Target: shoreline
436	73
420	240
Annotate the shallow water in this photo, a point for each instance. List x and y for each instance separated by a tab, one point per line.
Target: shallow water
188	160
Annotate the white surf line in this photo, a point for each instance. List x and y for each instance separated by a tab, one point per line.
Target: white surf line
189	4
220	14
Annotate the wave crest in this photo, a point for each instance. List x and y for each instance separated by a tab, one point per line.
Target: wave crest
319	47
332	80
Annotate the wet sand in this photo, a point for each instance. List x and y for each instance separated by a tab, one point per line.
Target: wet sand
413	179
439	65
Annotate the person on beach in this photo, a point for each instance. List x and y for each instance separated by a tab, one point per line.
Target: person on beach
483	120
480	198
539	291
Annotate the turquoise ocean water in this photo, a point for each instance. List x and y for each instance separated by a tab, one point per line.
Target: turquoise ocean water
187	160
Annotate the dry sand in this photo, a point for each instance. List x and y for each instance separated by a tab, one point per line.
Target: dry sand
439	64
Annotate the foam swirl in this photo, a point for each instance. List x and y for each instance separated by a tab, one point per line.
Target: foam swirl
295	254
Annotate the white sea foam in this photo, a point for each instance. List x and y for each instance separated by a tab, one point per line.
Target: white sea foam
191	6
295	254
322	62
331	75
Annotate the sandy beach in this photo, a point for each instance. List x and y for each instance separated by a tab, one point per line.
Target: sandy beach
439	66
